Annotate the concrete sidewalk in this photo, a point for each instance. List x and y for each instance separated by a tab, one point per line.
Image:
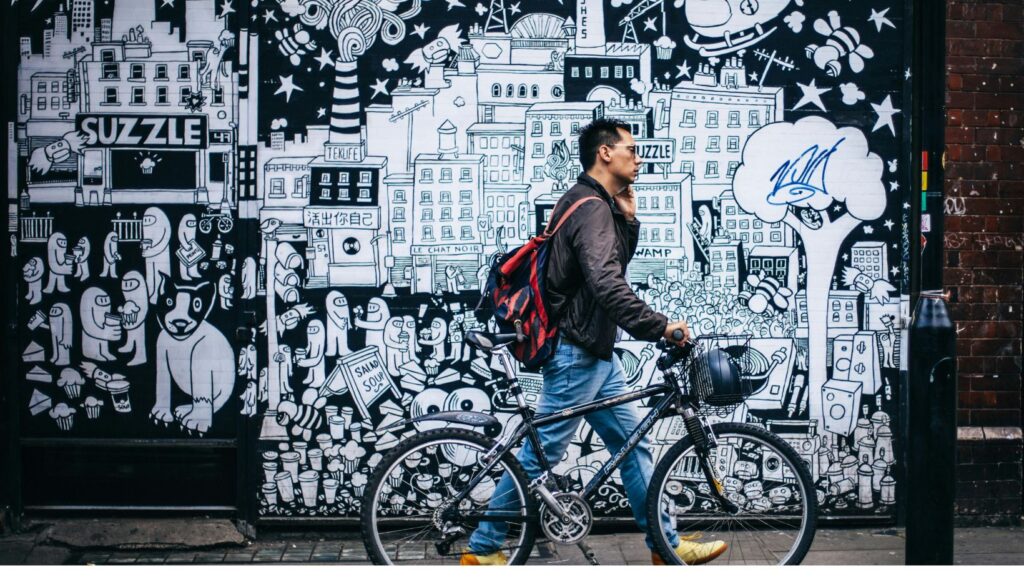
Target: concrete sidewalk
211	541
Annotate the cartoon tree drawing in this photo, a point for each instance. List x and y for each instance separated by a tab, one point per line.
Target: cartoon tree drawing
821	181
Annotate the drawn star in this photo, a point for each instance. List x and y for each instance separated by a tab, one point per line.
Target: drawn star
879	19
753	76
894	185
324	58
888	224
168	3
868	229
907	74
684	69
812	95
480	9
846	257
650	24
321	112
287	86
837	208
381	86
513	9
268	16
421	30
225	8
895	271
885	112
454	4
906	205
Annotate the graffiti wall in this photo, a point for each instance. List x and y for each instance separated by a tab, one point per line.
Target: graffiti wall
343	172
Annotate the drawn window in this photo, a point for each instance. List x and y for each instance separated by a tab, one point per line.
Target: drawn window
161	72
399	214
522	91
467	233
575	129
300	187
55	102
575	71
686	167
465	196
365	177
508	91
466	175
713	144
643	233
364	195
755	119
184	94
41	103
446	233
325	178
399	234
446	175
427	214
629	72
399	196
161	95
110	96
495	90
711	170
618	72
642	203
654	203
669	204
733	165
758	237
138	95
106	56
669	235
110	71
556	129
137	72
604	72
535	91
446	213
712	119
734	144
557	91
218	96
655	235
428	233
689	143
538	128
483	143
466	214
689	118
446	197
538	150
41	87
427	175
734	119
538	173
277	188
183	72
426	197
589	72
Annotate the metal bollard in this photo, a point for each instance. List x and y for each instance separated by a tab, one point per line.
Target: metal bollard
931	443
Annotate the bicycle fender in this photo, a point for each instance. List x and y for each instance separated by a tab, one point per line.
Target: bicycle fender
488	423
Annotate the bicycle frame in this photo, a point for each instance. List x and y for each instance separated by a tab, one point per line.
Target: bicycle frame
530	423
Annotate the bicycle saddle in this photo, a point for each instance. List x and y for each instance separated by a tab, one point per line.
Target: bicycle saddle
488	341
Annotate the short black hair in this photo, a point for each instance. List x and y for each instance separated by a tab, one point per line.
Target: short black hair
601	132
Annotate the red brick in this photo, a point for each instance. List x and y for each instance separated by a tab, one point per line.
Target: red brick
959	100
995	100
994	347
961	64
997	30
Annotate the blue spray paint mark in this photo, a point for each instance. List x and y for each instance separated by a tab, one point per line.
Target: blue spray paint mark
800	179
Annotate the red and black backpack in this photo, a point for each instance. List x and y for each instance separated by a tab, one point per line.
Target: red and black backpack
515	292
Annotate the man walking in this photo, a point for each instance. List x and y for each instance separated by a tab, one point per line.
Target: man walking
588	292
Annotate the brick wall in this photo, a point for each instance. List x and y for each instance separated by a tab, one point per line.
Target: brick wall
985	247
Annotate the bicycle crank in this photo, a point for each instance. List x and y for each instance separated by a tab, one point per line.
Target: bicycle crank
572	524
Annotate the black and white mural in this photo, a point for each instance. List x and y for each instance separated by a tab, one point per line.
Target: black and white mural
347	170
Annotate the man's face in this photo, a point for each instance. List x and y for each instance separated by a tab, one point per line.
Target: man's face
624	163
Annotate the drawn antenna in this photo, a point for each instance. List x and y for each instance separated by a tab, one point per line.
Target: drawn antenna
496	18
627	22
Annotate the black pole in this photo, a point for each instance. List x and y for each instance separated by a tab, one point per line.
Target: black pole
931	446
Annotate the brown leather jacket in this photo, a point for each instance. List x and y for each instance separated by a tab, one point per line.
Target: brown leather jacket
586	273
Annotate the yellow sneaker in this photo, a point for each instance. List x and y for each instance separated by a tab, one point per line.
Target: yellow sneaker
496	558
694	552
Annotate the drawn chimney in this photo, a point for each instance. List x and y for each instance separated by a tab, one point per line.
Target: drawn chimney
590	27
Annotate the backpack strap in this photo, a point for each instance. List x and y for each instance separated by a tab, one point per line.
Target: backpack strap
549	231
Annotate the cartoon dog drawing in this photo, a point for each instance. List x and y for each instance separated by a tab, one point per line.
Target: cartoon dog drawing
193	354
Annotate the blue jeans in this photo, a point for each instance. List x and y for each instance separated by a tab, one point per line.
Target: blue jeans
572	377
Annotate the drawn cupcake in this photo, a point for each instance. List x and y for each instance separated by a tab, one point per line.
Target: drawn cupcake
351	455
92	407
64	415
663	47
358	483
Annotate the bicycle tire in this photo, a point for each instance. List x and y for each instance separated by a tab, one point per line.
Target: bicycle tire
368	527
724	431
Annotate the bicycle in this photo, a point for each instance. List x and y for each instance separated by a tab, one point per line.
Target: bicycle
730	481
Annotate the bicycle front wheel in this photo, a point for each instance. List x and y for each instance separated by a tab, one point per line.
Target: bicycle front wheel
762	476
412	514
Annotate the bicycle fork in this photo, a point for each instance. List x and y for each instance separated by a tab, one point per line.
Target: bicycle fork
703	442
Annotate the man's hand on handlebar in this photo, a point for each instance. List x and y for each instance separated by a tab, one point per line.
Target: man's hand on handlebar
677	333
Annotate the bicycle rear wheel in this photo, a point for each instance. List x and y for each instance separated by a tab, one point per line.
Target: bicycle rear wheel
762	475
402	512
